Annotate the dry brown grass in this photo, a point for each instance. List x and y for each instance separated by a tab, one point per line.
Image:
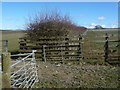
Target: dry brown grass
76	75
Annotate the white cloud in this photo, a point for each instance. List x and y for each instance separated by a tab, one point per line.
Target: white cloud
92	25
101	18
104	26
114	26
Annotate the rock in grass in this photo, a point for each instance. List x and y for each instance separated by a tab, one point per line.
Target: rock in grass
58	65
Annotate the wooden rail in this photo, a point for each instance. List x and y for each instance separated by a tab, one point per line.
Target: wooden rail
101	47
72	48
112	54
48	48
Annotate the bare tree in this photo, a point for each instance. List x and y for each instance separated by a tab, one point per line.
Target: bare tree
49	24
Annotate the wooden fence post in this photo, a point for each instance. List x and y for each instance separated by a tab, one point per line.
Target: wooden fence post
5	45
106	47
80	46
66	46
6	71
44	54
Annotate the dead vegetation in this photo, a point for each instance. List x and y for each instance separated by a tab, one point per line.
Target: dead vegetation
76	76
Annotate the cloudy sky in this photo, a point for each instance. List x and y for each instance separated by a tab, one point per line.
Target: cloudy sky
88	14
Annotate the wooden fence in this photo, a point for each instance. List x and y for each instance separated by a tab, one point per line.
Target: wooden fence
66	48
101	46
112	53
63	48
93	47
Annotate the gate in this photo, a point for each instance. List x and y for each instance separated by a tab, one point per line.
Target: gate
19	71
62	53
64	48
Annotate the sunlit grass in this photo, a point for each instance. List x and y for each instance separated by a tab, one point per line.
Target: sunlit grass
13	39
0	81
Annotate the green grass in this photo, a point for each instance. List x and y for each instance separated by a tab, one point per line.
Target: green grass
93	50
89	50
0	81
92	35
13	39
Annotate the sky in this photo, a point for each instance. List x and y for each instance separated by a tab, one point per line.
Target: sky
88	14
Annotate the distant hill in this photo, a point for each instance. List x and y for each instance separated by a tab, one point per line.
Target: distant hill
78	30
12	31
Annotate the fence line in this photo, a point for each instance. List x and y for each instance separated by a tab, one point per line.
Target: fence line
63	53
106	47
112	51
101	47
61	47
68	48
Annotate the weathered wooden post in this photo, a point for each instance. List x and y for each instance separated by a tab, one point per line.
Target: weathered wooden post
44	54
33	54
66	46
106	47
6	71
80	47
5	45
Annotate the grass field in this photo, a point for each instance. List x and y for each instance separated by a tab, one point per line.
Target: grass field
91	50
73	75
13	39
0	81
94	41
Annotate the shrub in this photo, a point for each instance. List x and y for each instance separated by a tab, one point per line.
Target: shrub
49	24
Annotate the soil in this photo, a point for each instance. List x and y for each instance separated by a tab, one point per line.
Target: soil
80	75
